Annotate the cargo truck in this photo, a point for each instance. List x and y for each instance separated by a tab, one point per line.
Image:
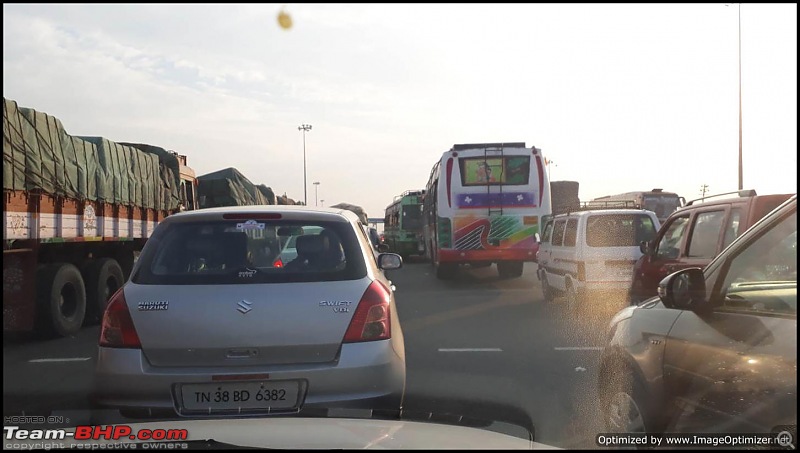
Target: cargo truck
76	212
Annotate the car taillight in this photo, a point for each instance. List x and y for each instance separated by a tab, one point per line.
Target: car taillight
372	320
277	263
117	330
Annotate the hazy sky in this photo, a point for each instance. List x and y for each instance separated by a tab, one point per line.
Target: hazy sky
619	97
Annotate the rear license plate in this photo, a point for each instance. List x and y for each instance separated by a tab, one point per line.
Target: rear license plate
240	396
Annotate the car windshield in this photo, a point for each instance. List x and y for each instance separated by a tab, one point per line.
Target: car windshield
202	253
459	214
764	277
290	243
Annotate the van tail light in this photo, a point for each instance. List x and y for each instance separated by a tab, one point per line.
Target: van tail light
117	330
372	318
277	263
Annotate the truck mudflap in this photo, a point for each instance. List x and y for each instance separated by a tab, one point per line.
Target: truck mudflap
19	290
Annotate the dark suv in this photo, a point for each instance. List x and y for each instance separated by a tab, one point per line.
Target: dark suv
717	350
693	235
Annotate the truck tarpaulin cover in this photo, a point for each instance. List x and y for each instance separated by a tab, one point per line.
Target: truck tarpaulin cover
229	187
358	210
268	193
38	154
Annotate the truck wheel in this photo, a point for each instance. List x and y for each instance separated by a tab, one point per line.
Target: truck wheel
103	278
61	298
509	269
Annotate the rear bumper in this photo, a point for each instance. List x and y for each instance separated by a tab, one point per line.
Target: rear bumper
465	256
366	376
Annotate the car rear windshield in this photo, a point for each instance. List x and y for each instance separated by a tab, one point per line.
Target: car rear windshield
237	252
619	230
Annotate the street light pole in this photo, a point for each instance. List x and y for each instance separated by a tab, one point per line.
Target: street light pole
316	186
741	184
323	203
305	128
548	163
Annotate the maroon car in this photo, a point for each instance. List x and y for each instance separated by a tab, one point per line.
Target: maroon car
693	235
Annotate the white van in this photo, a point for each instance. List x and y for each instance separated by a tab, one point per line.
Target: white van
592	251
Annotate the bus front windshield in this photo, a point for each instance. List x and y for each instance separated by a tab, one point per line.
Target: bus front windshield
662	205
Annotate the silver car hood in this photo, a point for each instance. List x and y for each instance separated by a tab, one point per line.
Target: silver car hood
333	433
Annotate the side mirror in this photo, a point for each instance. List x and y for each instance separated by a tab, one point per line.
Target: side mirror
383	248
684	290
390	261
538	238
644	247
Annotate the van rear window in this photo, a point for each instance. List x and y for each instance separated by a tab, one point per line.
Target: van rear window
619	230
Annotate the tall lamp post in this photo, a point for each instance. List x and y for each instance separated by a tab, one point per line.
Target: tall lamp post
305	128
740	98
316	186
548	163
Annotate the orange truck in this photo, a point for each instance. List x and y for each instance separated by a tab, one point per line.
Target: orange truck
76	211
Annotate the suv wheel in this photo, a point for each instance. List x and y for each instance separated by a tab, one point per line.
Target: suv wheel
625	407
547	290
623	414
574	301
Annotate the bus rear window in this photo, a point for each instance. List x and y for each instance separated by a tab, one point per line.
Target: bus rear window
506	170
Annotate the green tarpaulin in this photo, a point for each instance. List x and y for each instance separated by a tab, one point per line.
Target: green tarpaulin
229	187
38	154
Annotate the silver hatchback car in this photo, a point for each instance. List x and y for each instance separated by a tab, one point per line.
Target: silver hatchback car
208	325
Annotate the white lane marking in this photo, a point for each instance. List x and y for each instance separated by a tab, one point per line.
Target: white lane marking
470	350
69	359
579	348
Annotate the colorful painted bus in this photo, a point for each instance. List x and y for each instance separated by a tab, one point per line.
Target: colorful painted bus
402	225
484	203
